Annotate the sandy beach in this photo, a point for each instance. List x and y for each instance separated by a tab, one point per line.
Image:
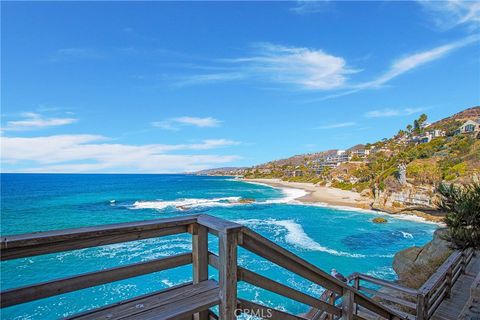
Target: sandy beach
320	194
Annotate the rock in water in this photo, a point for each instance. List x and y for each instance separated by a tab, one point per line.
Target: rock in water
379	220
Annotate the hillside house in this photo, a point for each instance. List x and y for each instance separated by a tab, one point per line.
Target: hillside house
358	151
470	126
427	136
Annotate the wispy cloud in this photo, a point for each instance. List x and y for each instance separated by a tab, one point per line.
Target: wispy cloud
33	121
66	54
403	65
176	123
210	78
337	125
309	6
416	60
303	67
451	13
92	153
388	112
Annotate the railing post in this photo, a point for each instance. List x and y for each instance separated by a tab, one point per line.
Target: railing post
200	260
448	281
227	270
422	307
356	285
347	304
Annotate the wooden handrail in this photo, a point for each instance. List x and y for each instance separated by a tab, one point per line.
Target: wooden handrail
47	289
230	236
429	296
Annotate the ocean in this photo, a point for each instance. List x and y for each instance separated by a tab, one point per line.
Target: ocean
344	239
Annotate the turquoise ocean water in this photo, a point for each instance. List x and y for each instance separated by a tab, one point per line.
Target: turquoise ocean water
329	238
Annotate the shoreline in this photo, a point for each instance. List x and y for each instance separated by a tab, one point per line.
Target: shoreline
333	197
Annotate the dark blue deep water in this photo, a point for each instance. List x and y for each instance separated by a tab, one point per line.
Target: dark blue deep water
330	238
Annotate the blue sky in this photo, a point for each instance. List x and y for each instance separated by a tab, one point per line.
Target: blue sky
173	87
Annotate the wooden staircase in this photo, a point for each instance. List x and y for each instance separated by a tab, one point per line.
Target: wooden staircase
191	300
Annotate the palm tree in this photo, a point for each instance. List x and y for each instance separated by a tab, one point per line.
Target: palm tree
462	204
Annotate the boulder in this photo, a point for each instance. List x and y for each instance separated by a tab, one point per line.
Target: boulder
415	265
379	220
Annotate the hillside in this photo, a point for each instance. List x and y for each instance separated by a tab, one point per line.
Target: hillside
397	173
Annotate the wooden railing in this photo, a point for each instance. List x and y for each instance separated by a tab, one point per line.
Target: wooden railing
343	304
419	303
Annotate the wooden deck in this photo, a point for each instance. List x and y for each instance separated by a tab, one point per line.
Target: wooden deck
452	307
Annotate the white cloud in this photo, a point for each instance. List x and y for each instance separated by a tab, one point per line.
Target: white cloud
32	121
93	153
387	112
447	14
175	123
306	68
413	61
338	125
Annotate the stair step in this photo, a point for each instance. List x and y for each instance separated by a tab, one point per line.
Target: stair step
173	303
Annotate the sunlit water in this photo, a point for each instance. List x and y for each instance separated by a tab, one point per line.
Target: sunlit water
346	240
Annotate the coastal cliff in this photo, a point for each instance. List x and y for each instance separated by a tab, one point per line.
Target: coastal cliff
415	265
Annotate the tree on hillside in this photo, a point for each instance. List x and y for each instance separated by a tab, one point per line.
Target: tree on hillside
409	128
462	204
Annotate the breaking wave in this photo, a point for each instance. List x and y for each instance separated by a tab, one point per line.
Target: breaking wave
185	204
296	236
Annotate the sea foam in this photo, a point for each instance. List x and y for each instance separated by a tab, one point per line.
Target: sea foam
296	236
184	204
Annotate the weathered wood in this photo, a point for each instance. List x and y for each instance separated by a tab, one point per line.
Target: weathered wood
227	271
36	238
200	260
60	286
216	225
421	307
173	303
273	286
33	244
387	284
388	297
264	312
284	258
347	304
439	275
434	305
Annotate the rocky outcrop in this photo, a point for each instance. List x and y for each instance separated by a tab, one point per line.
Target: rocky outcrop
415	265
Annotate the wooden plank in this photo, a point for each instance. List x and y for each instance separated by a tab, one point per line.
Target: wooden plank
434	306
273	286
284	258
173	303
439	275
347	304
388	297
60	286
82	243
200	260
227	271
387	284
36	238
264	312
216	225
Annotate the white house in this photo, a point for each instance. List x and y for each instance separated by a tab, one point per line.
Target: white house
469	126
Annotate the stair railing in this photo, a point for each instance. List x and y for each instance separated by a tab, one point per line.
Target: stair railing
344	304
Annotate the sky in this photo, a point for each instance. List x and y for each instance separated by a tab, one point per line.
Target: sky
165	87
